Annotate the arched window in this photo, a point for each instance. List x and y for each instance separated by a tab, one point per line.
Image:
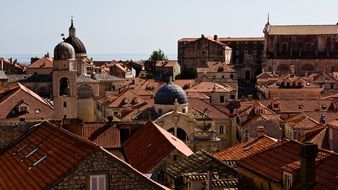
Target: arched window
84	92
64	87
285	47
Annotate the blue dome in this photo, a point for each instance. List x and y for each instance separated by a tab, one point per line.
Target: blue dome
167	94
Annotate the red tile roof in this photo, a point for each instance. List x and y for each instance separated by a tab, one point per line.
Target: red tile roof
210	87
146	148
42	63
269	162
201	105
102	134
41	156
246	149
213	67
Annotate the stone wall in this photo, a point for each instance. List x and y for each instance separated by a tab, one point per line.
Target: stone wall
10	131
119	174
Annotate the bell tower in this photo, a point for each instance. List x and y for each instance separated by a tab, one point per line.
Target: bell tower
64	82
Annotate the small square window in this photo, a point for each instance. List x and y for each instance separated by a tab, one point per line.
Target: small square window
64	104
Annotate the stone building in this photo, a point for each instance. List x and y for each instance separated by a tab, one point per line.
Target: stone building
307	48
18	103
194	121
196	52
49	157
42	66
245	54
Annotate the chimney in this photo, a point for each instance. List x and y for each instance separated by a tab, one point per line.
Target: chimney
110	121
292	69
215	37
202	35
209	179
322	118
309	153
260	131
93	76
11	60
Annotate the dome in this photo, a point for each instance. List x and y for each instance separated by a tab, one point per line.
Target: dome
76	43
167	94
64	51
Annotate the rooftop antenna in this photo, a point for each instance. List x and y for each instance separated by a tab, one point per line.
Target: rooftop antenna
268	19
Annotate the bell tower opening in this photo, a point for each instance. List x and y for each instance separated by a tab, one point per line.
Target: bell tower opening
64	87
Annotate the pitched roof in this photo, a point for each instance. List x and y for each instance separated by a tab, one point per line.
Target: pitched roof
29	78
246	149
199	162
3	75
41	156
102	134
6	90
241	39
302	29
304	123
209	87
214	67
269	162
42	63
146	148
201	105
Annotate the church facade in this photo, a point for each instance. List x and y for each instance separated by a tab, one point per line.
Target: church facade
300	49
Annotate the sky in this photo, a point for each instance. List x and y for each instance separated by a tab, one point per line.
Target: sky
141	26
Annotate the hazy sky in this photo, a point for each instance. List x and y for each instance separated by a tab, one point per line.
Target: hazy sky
140	26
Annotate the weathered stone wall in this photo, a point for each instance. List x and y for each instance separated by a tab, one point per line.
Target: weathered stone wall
10	131
119	175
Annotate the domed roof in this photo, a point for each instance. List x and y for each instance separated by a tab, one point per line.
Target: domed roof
76	43
64	51
167	94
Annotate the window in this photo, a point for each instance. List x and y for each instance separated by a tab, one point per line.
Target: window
64	104
98	182
221	99
221	129
23	108
232	96
64	87
287	181
64	116
231	76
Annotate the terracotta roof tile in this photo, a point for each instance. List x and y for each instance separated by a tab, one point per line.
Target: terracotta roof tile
201	105
58	149
199	162
42	63
102	134
210	87
149	145
246	149
213	67
269	162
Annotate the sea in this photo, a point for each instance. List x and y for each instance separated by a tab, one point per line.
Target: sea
26	58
